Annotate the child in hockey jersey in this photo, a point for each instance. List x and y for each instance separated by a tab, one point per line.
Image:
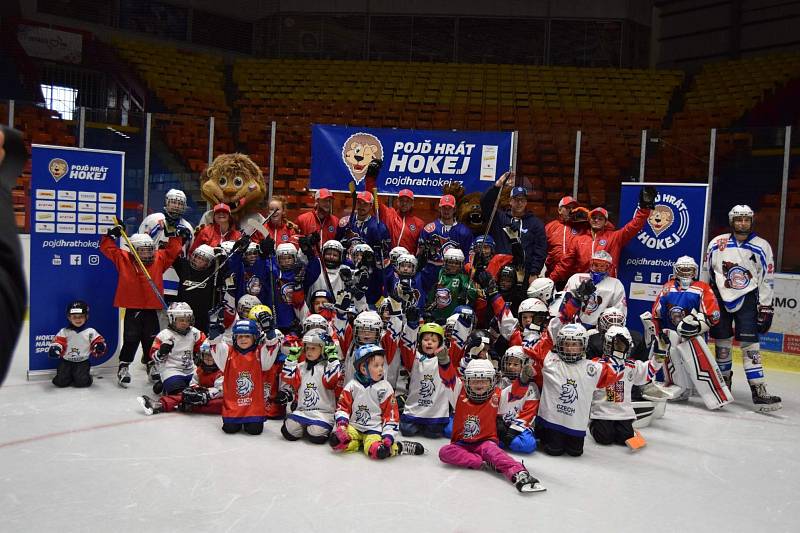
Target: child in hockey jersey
174	349
612	415
431	376
203	395
518	405
366	413
243	362
262	316
309	386
475	441
73	345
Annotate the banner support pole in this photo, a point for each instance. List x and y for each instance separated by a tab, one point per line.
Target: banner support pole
211	120
577	171
273	128
148	122
787	148
514	137
11	113
81	126
711	149
642	155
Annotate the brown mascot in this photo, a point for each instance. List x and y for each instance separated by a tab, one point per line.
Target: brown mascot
469	207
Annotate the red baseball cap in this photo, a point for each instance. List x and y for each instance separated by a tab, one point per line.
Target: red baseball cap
365	196
322	194
408	193
448	200
599	210
567	200
222	207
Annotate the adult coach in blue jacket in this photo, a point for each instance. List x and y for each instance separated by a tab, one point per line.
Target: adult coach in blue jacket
517	223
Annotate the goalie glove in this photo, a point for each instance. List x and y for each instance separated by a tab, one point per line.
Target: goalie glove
693	324
55	351
661	346
585	290
163	351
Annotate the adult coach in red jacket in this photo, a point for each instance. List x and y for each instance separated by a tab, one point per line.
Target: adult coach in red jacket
135	294
578	256
561	232
320	220
404	227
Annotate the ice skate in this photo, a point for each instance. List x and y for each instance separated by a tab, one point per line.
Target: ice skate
149	405
763	401
408	447
152	373
525	482
123	376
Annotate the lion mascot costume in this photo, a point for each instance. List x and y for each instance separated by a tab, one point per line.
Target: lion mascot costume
469	210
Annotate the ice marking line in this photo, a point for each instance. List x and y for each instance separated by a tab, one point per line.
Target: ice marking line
79	430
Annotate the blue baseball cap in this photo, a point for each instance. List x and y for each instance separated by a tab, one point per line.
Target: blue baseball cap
519	191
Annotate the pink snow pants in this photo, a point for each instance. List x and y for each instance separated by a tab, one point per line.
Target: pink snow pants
472	455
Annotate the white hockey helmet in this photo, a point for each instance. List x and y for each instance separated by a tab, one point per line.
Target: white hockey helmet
615	336
315	336
539	313
406	265
514	354
201	257
144	246
740	211
454	259
367	328
174	203
245	304
479	370
286	254
611	316
178	310
396	252
358	250
328	249
685	271
542	288
314	321
571	343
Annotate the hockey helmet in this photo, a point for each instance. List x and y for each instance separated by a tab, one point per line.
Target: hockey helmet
685	271
611	316
286	253
542	288
512	362
479	380
363	354
571	343
144	247
174	204
600	266
78	307
506	277
431	327
245	327
396	252
453	260
316	336
178	310
332	253
538	313
617	342
367	328
245	304
201	257
314	321
406	266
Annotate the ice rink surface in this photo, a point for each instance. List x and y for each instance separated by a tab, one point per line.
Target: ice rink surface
90	460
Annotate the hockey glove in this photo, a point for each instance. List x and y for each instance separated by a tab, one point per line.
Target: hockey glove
284	397
98	349
661	346
570	307
115	232
55	351
339	438
267	247
443	356
512	230
692	325
314	239
305	245
331	353
195	396
585	290
764	321
374	167
184	233
265	320
487	283
346	274
647	197
381	449
163	351
467	318
412	315
294	354
367	259
526	374
242	244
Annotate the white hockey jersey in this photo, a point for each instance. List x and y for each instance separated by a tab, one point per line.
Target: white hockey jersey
76	346
608	293
313	387
153	225
614	401
429	391
519	411
180	361
370	409
739	268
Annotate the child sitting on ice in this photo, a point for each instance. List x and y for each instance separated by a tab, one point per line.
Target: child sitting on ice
73	345
174	349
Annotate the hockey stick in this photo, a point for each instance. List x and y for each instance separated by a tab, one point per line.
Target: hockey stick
378	218
139	262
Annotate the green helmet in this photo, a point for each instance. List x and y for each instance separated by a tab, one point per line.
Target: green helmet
432	327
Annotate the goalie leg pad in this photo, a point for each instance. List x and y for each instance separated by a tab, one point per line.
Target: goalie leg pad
703	370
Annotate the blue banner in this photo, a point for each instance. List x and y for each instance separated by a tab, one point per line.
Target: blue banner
75	195
675	228
420	160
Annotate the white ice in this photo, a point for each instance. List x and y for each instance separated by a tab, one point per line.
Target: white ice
90	460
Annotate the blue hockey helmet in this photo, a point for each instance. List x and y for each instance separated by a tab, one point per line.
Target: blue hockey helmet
245	327
363	354
482	240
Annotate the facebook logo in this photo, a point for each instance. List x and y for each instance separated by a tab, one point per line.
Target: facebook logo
75	259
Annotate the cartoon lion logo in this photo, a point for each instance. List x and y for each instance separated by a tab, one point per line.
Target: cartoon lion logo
358	152
569	392
310	395
244	384
472	427
234	179
661	218
426	386
58	168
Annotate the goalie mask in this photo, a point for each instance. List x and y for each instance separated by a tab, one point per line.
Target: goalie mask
174	204
286	254
611	316
617	342
533	314
685	271
571	343
144	247
181	317
332	253
479	379
600	266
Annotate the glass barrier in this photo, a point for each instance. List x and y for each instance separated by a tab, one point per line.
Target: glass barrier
790	261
